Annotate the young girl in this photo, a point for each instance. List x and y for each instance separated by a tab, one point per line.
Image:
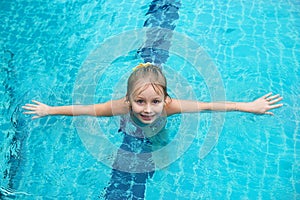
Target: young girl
147	101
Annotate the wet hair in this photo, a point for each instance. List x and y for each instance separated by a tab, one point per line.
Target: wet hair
146	75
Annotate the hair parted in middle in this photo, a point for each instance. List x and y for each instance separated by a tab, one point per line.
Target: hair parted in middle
143	76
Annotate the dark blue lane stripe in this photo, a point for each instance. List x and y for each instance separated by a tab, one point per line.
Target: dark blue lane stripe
162	15
125	185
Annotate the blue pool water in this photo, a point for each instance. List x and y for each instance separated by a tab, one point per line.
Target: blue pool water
255	48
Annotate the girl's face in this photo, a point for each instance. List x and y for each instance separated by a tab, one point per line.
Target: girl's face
148	105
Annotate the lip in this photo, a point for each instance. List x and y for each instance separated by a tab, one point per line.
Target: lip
146	117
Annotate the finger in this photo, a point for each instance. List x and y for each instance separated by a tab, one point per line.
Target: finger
267	95
276	100
35	117
37	102
273	97
31	105
29	113
28	108
276	106
269	113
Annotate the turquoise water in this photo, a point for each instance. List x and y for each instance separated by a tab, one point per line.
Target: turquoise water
254	45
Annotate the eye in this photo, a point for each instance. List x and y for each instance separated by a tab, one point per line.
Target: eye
139	101
156	101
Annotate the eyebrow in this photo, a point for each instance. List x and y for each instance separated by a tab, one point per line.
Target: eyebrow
152	97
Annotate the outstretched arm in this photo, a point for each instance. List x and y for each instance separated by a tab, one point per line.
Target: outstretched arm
110	108
261	105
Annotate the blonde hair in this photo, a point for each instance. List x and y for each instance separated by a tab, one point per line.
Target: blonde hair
144	75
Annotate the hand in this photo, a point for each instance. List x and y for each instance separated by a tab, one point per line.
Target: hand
38	109
265	103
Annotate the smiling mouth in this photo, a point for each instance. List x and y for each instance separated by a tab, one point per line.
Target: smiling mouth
146	117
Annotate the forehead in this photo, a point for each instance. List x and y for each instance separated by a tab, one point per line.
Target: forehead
148	89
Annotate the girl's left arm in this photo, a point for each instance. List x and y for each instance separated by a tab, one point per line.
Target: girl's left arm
261	105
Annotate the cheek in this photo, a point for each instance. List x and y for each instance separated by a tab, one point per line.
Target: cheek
135	107
159	108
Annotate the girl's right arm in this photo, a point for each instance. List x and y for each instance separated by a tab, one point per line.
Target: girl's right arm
110	108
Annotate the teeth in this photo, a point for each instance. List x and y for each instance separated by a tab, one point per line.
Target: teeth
146	115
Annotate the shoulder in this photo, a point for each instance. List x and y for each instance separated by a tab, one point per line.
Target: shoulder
120	106
172	106
112	108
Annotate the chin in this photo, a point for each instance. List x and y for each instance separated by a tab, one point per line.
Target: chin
147	122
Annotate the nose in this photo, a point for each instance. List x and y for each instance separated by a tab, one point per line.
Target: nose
147	108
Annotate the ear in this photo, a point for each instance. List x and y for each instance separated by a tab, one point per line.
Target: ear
127	101
167	100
